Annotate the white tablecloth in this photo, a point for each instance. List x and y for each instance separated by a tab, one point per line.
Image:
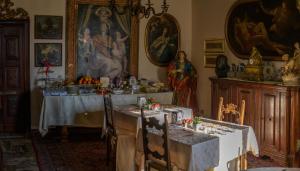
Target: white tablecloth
191	152
62	110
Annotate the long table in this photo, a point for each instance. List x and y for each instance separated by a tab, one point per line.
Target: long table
191	150
86	110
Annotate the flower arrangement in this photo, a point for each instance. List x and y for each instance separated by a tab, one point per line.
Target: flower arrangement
187	121
151	104
196	120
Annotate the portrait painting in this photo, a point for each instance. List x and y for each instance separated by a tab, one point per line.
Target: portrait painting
48	27
104	41
272	26
48	54
162	39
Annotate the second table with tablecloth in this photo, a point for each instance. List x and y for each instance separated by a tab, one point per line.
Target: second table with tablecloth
191	150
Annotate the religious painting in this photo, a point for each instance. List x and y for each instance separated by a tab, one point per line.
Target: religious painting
162	39
48	27
272	26
48	54
102	41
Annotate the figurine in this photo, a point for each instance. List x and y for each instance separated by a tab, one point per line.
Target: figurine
182	77
222	66
290	71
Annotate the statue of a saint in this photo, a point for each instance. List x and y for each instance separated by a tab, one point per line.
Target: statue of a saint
182	77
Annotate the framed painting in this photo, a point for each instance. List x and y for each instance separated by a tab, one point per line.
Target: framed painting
214	45
48	27
271	26
162	39
210	59
101	41
48	52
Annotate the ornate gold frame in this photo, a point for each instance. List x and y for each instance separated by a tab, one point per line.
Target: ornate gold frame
7	12
72	8
149	56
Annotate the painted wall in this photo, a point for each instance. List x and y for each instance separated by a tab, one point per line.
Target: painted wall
181	11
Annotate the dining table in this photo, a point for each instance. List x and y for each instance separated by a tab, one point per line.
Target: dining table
215	145
86	110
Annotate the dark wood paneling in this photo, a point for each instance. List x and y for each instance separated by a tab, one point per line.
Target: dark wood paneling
14	76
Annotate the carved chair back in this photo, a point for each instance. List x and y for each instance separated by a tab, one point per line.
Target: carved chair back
231	113
153	123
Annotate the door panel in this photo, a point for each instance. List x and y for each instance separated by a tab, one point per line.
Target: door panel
12	46
12	79
268	114
274	123
248	95
14	76
1	79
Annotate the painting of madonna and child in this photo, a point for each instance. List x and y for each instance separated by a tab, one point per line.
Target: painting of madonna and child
272	26
103	42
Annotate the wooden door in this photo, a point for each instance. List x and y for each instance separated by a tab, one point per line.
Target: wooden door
14	79
274	122
247	94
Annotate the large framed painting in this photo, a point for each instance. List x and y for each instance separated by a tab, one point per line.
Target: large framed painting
48	52
48	27
101	41
162	39
272	26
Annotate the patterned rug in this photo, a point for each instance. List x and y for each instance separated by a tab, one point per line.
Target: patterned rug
88	153
18	154
80	153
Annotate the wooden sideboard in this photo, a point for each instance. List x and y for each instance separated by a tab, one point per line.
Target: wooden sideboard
272	109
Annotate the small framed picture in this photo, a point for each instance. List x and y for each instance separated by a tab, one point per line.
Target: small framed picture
210	59
50	53
48	27
214	46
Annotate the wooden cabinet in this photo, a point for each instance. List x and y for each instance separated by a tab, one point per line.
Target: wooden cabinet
271	109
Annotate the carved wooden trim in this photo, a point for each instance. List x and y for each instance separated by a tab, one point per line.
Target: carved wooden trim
8	13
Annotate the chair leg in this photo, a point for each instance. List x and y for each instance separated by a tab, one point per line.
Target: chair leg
244	161
108	149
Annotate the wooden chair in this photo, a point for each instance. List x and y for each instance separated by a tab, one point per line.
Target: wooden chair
230	112
115	136
111	135
154	159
